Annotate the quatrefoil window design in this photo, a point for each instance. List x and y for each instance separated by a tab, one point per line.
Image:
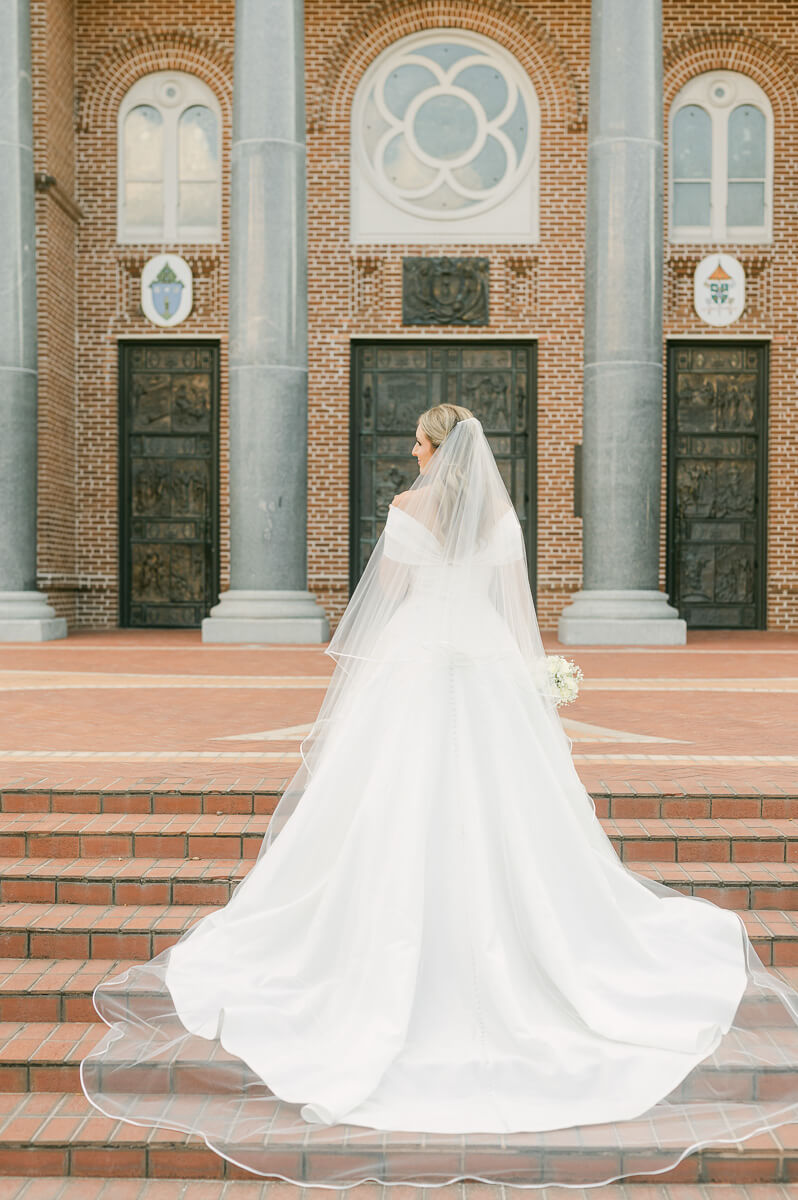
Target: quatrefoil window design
448	124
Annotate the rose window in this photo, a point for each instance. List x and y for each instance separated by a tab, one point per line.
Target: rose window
448	124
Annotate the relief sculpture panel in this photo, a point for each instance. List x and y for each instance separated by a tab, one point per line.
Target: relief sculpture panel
445	291
716	440
169	525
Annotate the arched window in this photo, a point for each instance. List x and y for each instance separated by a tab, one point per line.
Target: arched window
169	161
445	136
721	160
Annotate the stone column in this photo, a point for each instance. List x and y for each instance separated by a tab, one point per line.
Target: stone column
620	601
268	600
25	614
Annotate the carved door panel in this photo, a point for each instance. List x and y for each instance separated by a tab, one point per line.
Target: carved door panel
717	419
393	382
168	483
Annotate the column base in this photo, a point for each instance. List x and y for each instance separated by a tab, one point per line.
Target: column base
255	616
27	617
626	617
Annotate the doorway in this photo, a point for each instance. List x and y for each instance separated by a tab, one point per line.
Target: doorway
168	482
394	381
717	481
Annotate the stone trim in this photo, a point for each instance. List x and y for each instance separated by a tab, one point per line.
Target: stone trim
177	50
561	97
733	50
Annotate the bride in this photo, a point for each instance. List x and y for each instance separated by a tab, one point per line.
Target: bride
438	968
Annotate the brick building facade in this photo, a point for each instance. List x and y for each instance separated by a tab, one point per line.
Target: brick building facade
86	57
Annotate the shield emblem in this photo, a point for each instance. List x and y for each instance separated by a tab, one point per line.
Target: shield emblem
167	291
446	287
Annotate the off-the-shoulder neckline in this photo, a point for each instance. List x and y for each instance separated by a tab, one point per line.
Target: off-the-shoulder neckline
396	508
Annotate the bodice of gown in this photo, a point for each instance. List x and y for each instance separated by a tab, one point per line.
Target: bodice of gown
410	541
448	605
449	581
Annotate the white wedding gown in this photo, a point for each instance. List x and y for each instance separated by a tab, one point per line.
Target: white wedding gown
442	943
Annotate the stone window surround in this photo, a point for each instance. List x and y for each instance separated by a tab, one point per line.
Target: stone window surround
512	217
746	91
195	92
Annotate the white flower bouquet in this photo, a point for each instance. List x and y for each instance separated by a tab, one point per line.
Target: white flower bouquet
564	678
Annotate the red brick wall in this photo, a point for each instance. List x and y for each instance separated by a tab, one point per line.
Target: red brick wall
52	29
536	290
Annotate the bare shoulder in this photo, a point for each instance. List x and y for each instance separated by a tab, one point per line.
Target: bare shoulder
401	500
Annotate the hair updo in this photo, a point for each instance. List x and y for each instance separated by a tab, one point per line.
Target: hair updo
438	422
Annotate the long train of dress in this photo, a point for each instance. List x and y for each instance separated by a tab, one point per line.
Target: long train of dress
441	969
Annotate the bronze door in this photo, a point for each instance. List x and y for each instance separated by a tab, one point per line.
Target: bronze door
169	415
393	382
717	422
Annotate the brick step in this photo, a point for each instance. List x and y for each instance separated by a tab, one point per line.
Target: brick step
705	806
93	931
132	881
45	1056
185	835
59	1135
142	803
623	805
140	931
124	1188
737	885
704	841
45	989
18	1187
212	881
254	1188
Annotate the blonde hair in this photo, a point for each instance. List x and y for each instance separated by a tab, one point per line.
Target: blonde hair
438	422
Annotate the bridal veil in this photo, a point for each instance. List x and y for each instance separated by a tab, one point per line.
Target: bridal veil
453	538
438	968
